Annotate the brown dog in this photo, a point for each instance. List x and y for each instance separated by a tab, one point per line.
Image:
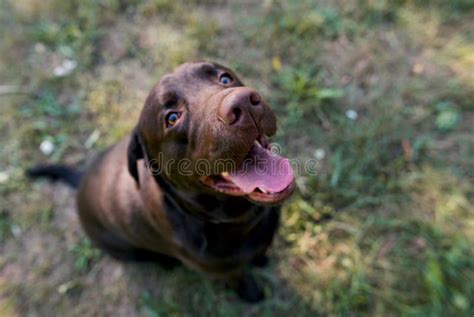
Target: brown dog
194	181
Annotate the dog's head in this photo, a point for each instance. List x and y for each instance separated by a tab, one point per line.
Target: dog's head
202	130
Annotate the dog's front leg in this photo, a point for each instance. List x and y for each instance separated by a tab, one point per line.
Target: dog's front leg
246	286
261	260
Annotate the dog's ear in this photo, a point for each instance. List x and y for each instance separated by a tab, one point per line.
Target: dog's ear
134	153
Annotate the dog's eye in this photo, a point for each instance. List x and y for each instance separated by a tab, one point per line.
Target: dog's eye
225	79
172	118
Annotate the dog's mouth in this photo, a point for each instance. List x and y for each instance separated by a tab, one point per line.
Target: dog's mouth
263	177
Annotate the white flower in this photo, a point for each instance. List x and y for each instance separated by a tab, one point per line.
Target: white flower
319	154
66	67
4	177
47	147
39	48
352	114
16	230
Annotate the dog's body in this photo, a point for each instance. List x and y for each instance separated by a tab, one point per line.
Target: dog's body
205	221
125	219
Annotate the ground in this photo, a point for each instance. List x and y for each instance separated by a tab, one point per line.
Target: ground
380	93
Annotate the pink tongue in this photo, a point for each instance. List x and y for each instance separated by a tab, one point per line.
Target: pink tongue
262	169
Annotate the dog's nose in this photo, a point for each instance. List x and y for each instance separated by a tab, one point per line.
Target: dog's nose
241	108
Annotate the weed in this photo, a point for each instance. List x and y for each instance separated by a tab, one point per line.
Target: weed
85	255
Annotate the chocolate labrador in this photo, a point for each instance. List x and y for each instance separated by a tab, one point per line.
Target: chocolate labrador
195	182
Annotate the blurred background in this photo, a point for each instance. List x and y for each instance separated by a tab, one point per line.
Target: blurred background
379	92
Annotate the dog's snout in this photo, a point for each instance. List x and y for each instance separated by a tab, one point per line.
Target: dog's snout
254	98
241	107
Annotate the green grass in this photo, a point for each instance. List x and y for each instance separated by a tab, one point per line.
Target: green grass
84	254
385	227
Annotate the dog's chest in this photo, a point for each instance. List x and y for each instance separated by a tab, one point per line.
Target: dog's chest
211	241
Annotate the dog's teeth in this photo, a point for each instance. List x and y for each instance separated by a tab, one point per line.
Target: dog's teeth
263	190
225	174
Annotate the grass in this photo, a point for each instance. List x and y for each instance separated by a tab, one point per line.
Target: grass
85	254
380	92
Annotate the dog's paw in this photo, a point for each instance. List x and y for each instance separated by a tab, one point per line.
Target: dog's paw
249	290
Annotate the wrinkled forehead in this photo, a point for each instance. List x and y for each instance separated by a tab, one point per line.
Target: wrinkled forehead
198	70
189	79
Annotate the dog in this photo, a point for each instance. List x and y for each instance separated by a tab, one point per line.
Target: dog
195	181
